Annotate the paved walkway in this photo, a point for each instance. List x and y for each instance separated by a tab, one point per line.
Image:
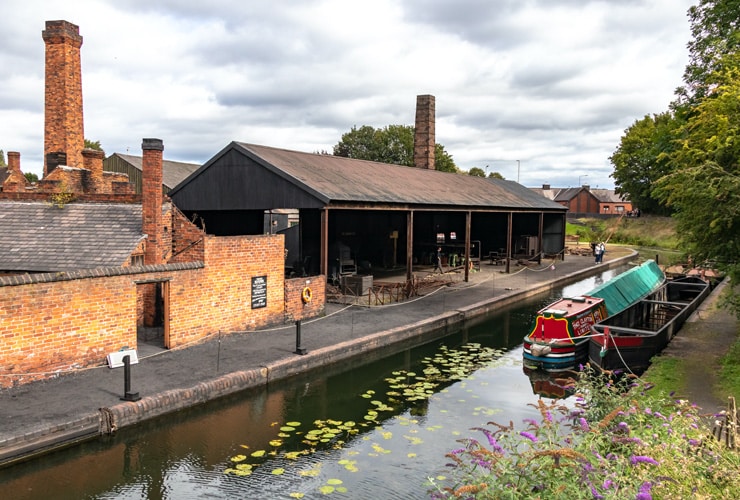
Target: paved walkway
42	415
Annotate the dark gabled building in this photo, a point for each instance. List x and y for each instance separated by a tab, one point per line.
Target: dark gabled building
173	172
383	214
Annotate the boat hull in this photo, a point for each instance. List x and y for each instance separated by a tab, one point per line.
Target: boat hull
629	340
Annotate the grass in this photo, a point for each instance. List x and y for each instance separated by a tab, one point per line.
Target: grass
729	375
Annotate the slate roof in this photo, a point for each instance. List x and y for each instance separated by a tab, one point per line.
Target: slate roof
173	172
39	237
346	181
567	194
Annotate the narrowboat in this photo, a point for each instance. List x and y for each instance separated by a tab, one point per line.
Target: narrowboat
560	333
628	340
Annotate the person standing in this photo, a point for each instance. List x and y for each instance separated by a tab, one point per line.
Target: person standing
438	261
600	249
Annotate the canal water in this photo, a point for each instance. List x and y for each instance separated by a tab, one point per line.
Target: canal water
376	429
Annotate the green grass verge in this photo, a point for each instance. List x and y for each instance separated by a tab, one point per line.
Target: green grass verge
729	374
666	375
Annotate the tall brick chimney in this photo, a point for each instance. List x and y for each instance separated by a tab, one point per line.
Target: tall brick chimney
151	200
63	123
424	139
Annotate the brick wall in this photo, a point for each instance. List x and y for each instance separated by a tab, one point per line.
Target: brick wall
295	307
63	321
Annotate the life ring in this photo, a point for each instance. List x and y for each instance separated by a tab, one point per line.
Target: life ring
306	295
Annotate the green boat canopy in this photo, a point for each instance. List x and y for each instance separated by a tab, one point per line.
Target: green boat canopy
627	288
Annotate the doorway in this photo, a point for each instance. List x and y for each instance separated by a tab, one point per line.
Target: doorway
153	314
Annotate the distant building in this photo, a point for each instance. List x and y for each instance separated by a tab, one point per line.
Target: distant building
173	172
584	200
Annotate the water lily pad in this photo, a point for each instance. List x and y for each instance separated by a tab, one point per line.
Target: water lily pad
258	453
293	424
278	472
287	428
238	458
297	494
326	489
334	482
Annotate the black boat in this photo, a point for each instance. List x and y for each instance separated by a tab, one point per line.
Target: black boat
629	339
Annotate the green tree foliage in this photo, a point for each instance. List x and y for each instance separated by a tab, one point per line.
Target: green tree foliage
715	32
704	188
31	177
93	145
392	144
640	160
495	175
2	158
477	172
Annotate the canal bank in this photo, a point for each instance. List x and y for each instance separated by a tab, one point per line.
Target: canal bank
41	416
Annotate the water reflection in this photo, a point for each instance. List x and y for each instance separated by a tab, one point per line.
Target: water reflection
185	455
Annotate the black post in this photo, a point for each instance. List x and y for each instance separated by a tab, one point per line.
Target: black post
298	349
128	395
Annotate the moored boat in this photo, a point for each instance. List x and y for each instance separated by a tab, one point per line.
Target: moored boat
559	337
630	339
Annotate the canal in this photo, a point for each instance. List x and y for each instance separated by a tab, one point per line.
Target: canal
378	429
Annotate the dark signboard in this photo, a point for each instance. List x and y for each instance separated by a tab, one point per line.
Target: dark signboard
259	292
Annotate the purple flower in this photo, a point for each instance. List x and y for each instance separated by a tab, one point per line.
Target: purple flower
492	441
642	459
608	483
529	436
596	494
644	493
457	451
622	426
531	422
584	424
548	416
694	442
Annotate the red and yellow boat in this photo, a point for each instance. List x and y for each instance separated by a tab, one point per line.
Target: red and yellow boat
559	337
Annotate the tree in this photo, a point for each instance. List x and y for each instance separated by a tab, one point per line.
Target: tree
477	172
714	31
640	159
93	145
704	187
392	144
31	177
2	158
495	175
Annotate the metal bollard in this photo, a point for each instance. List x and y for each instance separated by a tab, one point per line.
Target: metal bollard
128	395
298	349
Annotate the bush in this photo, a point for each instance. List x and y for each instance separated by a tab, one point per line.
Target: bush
615	440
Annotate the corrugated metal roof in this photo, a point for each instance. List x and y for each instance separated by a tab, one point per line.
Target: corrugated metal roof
345	180
40	237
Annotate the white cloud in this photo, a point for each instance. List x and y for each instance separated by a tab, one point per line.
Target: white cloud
552	84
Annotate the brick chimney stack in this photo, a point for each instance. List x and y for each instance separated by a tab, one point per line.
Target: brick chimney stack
151	200
14	161
63	122
92	160
424	139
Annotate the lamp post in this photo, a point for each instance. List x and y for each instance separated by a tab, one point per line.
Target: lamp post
579	179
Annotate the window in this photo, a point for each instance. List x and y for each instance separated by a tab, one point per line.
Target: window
620	208
137	260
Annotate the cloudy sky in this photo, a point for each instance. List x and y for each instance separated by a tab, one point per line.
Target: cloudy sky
539	90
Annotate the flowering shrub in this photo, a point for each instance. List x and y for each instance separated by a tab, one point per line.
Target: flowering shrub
615	440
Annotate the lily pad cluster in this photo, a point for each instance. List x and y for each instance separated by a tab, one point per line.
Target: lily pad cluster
405	388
